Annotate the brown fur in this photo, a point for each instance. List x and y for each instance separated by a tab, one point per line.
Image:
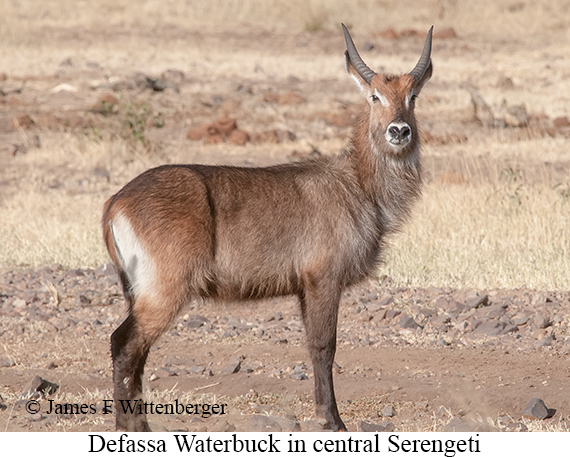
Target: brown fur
310	229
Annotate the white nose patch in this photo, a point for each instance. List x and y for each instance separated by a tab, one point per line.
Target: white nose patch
398	134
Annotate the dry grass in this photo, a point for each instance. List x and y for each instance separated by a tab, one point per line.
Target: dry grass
481	237
500	227
508	231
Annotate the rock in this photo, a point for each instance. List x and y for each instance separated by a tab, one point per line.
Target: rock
373	307
106	105
561	122
24	121
516	427
107	269
235	323
547	341
389	34
268	136
388	411
427	312
540	299
408	322
498	310
274	317
482	112
195	321
36	417
505	83
389	427
290	98
440	321
369	298
520	319
445	33
233	366
476	302
392	313
197	132
441	302
82	300
238	137
368	427
214	139
19	303
467	425
43	386
259	423
225	125
222	425
299	376
490	328
358	308
165	372
385	300
537	410
160	84
542	321
515	115
6	363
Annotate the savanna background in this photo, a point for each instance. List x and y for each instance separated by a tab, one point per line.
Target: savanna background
93	93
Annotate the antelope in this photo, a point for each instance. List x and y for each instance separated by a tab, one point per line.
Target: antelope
311	229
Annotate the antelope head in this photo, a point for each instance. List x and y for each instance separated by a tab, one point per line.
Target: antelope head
391	99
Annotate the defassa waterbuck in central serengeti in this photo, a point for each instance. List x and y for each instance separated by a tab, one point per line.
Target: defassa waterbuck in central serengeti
312	229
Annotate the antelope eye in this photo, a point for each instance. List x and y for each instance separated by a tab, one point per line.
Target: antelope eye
374	98
413	98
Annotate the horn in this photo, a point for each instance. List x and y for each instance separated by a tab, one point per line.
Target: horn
425	59
352	54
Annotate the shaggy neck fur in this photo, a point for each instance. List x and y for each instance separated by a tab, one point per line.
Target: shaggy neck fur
390	179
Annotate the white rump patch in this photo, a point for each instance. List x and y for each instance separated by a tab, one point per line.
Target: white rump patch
137	264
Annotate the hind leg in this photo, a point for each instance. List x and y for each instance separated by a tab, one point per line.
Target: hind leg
130	344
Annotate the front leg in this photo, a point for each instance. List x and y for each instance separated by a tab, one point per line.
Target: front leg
319	308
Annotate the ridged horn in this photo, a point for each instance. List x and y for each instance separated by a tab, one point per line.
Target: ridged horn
366	73
423	64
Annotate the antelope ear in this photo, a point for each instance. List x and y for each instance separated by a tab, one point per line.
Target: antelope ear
418	86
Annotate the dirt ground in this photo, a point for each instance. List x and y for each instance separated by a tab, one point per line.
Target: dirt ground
435	358
408	359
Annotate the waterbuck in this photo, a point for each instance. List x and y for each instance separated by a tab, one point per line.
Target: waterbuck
312	229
